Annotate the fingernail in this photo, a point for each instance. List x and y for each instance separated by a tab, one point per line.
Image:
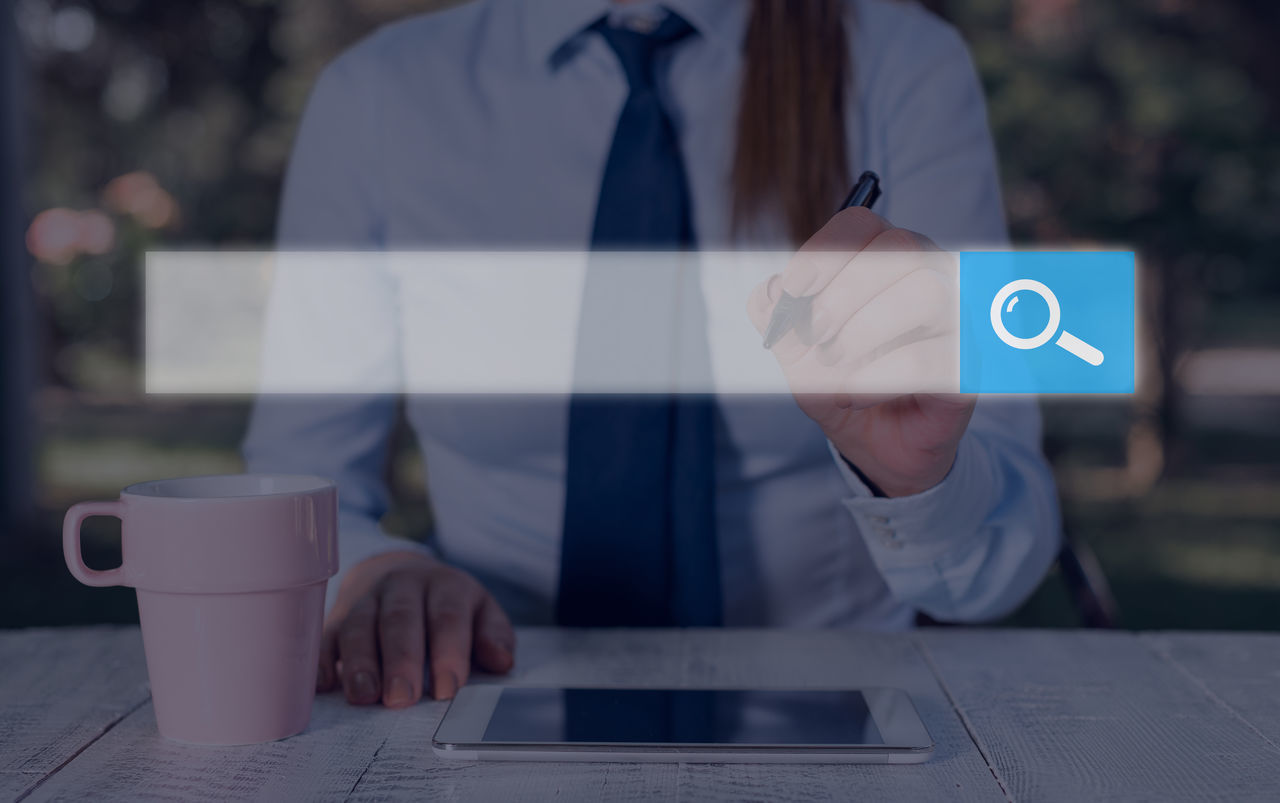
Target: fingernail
503	641
399	692
364	687
446	685
800	278
774	289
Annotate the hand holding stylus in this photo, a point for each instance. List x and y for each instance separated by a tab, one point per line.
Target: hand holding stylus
874	323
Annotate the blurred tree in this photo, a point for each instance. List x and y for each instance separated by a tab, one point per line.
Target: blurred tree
193	105
1145	123
1150	124
172	95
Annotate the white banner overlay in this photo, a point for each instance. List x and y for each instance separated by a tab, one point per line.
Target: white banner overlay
540	323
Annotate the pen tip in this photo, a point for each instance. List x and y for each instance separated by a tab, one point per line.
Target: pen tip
777	329
783	318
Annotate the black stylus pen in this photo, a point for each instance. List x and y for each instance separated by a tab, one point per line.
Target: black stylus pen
792	312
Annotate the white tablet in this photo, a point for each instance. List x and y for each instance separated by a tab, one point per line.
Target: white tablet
521	723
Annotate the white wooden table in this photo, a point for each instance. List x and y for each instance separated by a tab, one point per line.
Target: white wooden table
1017	715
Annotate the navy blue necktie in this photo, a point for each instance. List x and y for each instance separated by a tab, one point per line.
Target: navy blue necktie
639	543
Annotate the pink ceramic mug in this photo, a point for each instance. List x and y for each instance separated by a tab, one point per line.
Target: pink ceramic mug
230	573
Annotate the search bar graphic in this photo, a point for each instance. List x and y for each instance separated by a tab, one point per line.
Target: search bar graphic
1015	304
1066	340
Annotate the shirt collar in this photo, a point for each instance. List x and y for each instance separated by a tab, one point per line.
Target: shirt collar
551	24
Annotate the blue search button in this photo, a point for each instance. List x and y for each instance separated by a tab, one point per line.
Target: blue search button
1047	322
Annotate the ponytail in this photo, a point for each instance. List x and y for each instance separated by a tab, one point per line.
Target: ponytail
791	144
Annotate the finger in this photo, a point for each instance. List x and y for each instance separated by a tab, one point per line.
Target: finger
451	606
327	673
402	640
827	252
867	275
791	348
900	240
863	401
931	366
920	305
762	301
358	651
495	640
947	402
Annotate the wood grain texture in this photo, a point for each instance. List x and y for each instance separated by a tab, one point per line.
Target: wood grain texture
1239	670
1093	715
716	658
1060	715
59	691
132	762
373	754
14	784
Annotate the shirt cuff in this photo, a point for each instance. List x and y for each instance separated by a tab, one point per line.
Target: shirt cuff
924	526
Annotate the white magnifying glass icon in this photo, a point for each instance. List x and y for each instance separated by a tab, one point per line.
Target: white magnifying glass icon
1066	340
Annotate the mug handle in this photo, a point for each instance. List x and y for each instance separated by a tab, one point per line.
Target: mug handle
71	543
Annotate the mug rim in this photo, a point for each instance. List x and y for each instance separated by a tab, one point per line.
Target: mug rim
317	484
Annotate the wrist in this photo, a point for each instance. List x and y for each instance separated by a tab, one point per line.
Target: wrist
887	483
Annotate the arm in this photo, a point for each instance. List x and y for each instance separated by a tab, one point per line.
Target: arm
954	498
329	203
975	546
325	319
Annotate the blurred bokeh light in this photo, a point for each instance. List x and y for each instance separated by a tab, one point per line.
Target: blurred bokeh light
1151	124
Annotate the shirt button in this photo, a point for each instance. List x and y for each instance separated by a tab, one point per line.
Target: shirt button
880	526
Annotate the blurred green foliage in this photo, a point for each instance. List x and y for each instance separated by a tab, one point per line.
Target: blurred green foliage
1147	123
1152	124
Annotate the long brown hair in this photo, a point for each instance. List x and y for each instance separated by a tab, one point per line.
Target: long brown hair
791	158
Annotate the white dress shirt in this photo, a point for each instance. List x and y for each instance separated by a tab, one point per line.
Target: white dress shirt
488	126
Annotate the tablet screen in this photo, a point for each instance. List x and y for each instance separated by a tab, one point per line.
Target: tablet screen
663	716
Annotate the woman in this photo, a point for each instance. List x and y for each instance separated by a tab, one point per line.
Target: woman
722	124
